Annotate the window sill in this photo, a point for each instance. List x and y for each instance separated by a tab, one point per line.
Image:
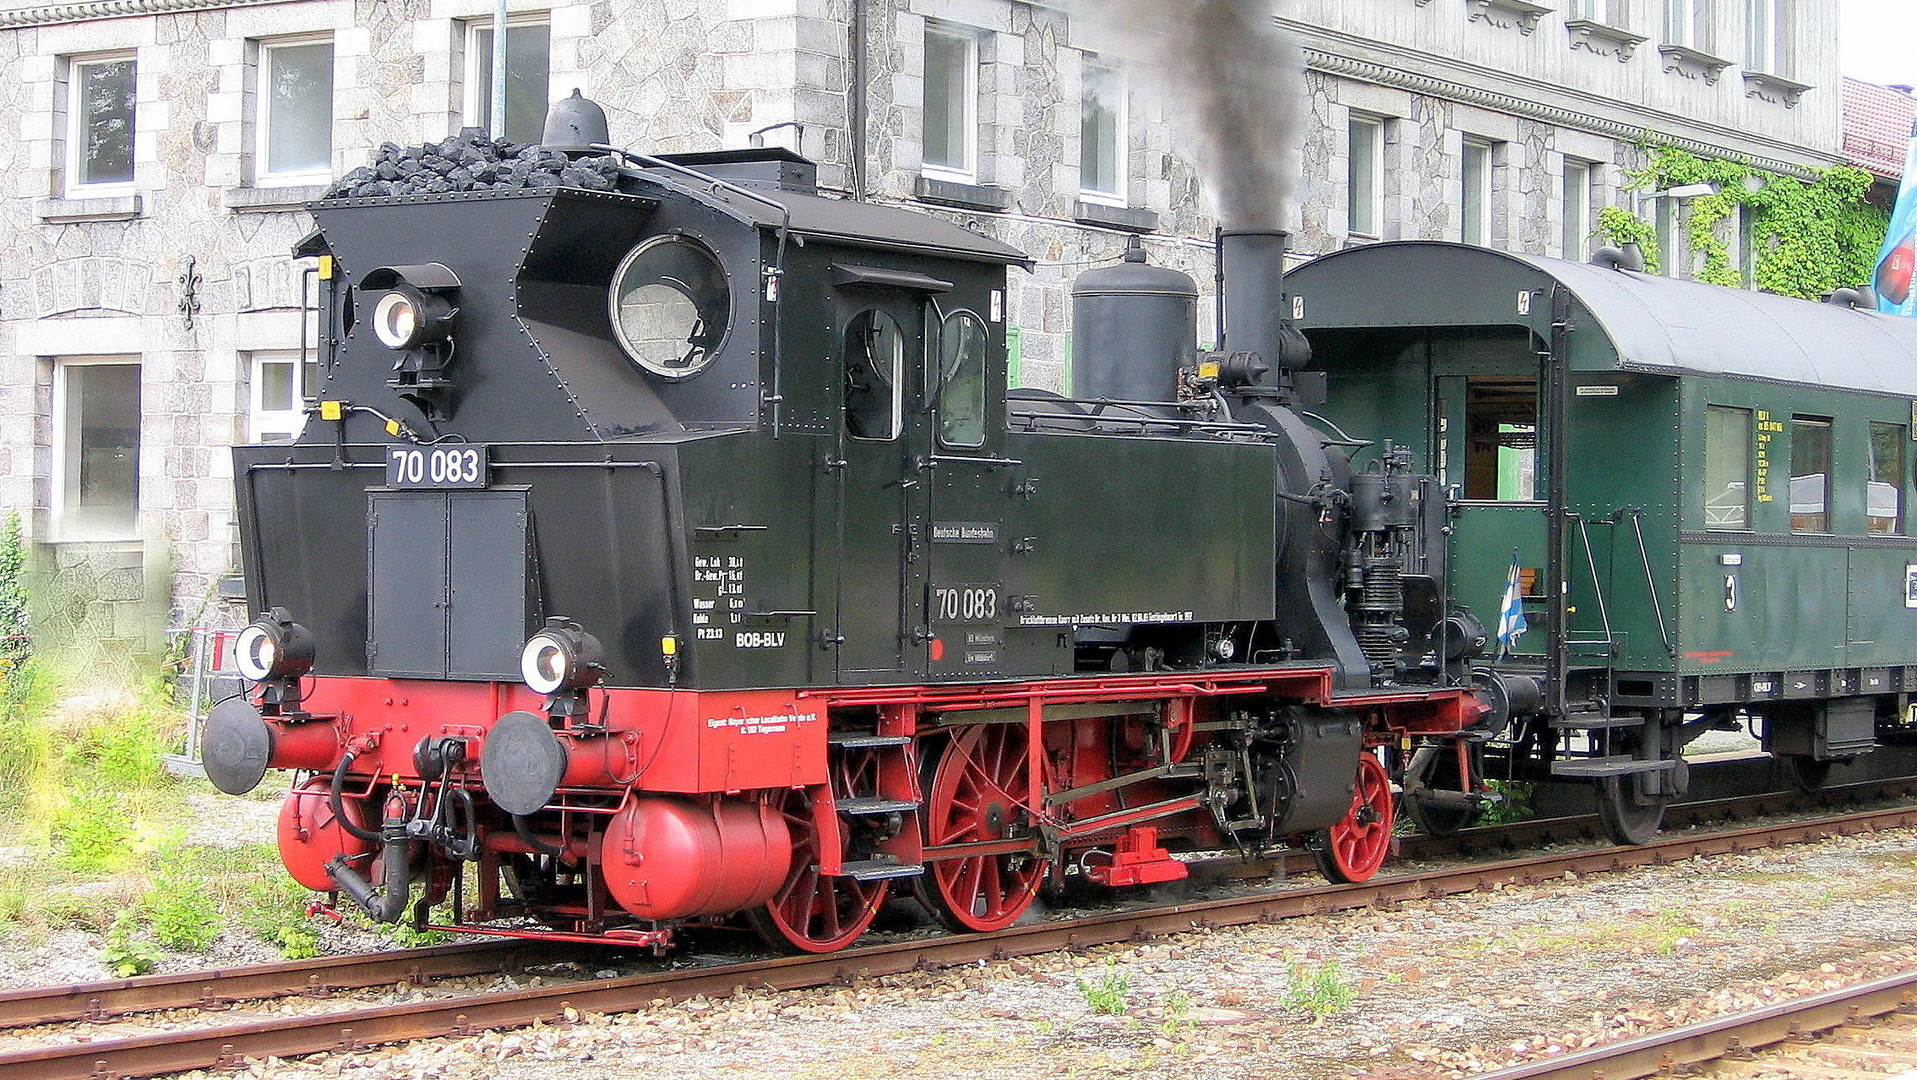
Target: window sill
968	196
1596	37
1773	88
1122	218
1508	14
1691	63
96	208
257	200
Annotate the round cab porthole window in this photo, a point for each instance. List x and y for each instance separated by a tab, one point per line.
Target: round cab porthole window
671	306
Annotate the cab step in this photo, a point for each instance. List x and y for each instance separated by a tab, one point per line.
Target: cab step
1599	767
881	870
861	740
867	805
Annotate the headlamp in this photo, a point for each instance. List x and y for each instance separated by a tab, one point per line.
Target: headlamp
561	657
273	646
404	317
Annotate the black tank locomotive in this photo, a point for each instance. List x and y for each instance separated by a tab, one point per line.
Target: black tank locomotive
674	552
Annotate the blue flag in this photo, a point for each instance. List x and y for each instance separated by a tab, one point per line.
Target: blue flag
1511	610
1897	259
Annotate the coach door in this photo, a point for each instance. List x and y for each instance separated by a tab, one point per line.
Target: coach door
1489	455
883	435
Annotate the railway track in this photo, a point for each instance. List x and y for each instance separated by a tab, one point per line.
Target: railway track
354	1028
1854	1030
220	988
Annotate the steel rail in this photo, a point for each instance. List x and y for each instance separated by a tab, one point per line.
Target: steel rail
220	987
166	1052
1667	1052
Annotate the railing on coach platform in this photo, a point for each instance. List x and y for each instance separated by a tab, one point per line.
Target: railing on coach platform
210	661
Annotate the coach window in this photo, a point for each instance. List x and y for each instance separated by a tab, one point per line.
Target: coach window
961	387
1727	468
1810	474
874	365
1884	498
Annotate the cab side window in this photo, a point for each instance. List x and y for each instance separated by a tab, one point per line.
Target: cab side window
1501	431
874	374
961	380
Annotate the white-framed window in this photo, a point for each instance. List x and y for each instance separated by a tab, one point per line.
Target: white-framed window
528	76
96	447
1101	133
1475	218
951	101
1747	245
1688	23
293	137
1664	219
100	111
279	387
1607	12
1364	177
1765	45
1577	208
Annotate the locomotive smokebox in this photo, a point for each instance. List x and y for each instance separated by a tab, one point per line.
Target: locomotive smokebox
1252	305
1134	326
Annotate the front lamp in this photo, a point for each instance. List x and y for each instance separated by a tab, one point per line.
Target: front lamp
273	646
412	305
404	317
561	657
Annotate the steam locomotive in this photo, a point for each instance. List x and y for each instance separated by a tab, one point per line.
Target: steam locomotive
672	552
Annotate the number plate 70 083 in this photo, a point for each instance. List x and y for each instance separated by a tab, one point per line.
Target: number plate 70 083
455	465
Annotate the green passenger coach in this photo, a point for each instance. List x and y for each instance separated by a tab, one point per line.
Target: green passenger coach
1703	495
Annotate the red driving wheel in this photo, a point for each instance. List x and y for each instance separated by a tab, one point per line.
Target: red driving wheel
1356	847
978	794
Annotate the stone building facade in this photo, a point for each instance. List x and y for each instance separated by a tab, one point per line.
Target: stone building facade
160	152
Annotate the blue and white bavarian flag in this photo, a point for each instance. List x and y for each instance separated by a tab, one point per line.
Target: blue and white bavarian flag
1897	259
1511	610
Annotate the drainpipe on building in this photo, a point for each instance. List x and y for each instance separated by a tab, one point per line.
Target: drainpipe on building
855	110
499	70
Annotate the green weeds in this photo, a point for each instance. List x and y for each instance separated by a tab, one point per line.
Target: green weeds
1321	990
1105	993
